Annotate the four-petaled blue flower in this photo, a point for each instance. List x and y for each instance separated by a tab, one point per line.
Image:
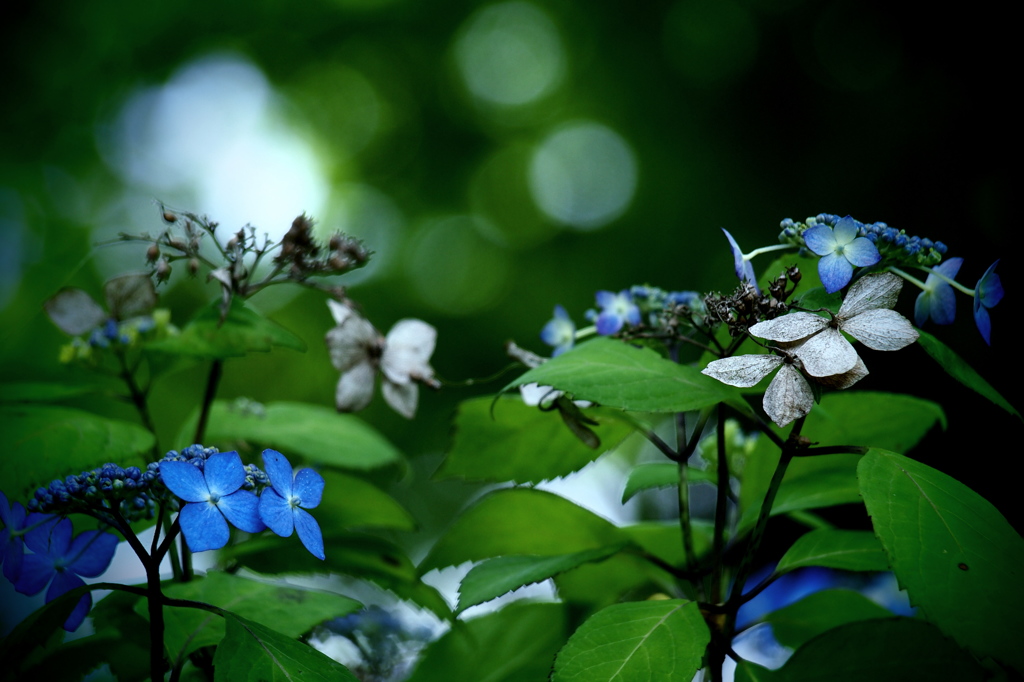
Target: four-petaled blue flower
616	311
283	507
62	560
559	332
214	497
938	300
841	249
987	294
744	269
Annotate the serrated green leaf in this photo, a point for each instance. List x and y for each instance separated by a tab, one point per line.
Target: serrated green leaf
516	644
958	558
507	521
890	650
660	475
958	368
505	440
819	612
494	577
311	433
286	609
847	550
243	331
615	374
251	652
660	640
44	442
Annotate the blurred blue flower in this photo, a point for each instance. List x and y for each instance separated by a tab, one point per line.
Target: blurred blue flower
559	332
987	294
744	270
60	561
616	311
938	300
283	507
215	496
841	249
12	546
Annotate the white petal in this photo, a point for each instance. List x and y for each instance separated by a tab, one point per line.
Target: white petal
401	397
355	388
872	291
742	371
407	351
881	329
351	341
74	312
788	397
792	327
339	311
533	394
826	354
847	379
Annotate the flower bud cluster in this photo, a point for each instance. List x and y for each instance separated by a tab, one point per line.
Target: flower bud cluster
308	257
896	247
255	479
109	488
118	335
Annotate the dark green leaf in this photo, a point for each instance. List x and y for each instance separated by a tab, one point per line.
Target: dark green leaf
355	503
517	442
288	610
616	374
42	392
821	611
957	368
890	650
959	560
847	550
660	640
243	331
752	672
251	652
507	522
309	433
660	475
515	644
817	297
494	577
44	442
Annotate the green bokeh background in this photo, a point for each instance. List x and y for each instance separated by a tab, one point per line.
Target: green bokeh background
738	113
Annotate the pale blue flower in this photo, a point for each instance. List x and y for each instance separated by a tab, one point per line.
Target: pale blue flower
840	249
987	293
938	301
559	332
616	311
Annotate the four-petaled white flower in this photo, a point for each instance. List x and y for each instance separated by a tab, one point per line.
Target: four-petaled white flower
358	350
866	315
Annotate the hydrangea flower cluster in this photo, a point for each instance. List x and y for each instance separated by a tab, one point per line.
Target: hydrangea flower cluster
106	489
894	247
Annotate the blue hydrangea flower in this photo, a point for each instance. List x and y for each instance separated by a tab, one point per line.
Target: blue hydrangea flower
840	249
559	332
938	300
616	311
214	496
283	506
744	269
987	294
12	546
62	562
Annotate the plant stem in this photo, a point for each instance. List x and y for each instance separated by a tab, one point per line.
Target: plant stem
721	509
685	525
216	371
154	597
138	397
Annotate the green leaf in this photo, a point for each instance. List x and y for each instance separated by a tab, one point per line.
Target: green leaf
957	368
243	331
817	297
42	392
129	658
44	442
311	433
958	558
660	475
286	609
355	503
660	640
819	612
251	652
752	672
494	577
616	374
514	644
890	650
847	550
520	521
517	442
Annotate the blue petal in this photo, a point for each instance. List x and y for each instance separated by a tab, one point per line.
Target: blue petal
64	582
184	480
36	572
309	486
990	288
242	509
922	307
50	539
835	272
844	232
309	533
982	319
224	473
943	304
280	472
820	239
605	298
91	553
204	526
14	556
608	323
862	252
276	513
